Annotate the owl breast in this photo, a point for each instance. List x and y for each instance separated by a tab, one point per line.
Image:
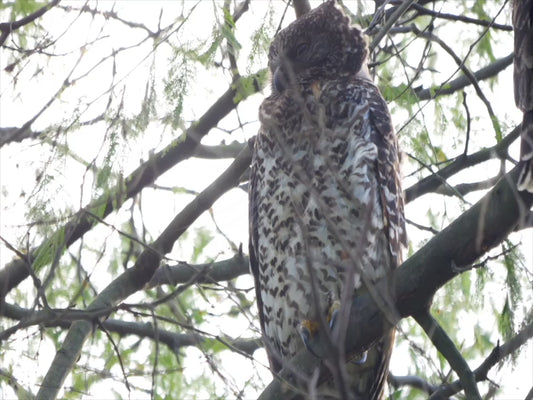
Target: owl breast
318	209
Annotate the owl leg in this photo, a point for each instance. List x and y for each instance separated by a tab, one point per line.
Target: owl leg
332	316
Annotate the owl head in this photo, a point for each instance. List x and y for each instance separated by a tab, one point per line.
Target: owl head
321	45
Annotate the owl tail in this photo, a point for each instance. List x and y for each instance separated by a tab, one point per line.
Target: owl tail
525	179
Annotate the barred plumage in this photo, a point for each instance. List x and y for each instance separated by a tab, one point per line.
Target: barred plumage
325	195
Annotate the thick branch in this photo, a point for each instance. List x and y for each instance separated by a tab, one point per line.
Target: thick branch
81	222
7	27
475	232
412	381
301	7
206	273
14	134
136	277
221	151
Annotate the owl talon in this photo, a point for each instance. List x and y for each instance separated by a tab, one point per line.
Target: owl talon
333	312
307	330
361	361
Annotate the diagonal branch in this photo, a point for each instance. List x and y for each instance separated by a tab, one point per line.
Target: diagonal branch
135	278
463	81
495	356
447	348
7	27
483	226
81	222
434	181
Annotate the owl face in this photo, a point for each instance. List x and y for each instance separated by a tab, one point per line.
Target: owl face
320	45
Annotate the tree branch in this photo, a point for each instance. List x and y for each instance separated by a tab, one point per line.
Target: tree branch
412	381
221	151
14	134
433	181
136	277
496	355
463	81
479	229
398	12
301	7
446	347
174	341
7	27
81	222
206	273
452	17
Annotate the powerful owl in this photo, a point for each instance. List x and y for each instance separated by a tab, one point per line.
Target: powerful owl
523	85
326	208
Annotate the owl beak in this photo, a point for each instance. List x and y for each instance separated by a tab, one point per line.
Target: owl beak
315	87
279	81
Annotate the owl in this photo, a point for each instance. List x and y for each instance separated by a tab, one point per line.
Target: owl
326	208
523	85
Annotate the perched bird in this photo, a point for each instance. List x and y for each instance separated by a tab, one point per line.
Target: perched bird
523	85
326	207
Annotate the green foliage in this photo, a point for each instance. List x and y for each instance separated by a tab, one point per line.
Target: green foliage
105	172
22	7
261	39
228	32
245	86
176	88
202	239
148	106
505	321
50	250
402	95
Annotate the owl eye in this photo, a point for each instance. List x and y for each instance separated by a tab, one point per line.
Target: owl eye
302	49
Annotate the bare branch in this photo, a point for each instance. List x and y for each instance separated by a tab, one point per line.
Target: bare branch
398	12
462	81
447	348
301	7
213	272
465	188
14	134
433	181
496	355
461	18
222	151
412	381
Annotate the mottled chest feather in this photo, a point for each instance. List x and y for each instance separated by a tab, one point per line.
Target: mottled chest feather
317	201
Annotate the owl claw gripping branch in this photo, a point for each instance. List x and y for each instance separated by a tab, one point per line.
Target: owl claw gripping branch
325	198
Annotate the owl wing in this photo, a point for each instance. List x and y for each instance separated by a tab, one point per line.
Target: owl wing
256	173
373	374
387	168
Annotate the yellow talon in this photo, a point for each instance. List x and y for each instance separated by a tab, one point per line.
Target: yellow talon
335	307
